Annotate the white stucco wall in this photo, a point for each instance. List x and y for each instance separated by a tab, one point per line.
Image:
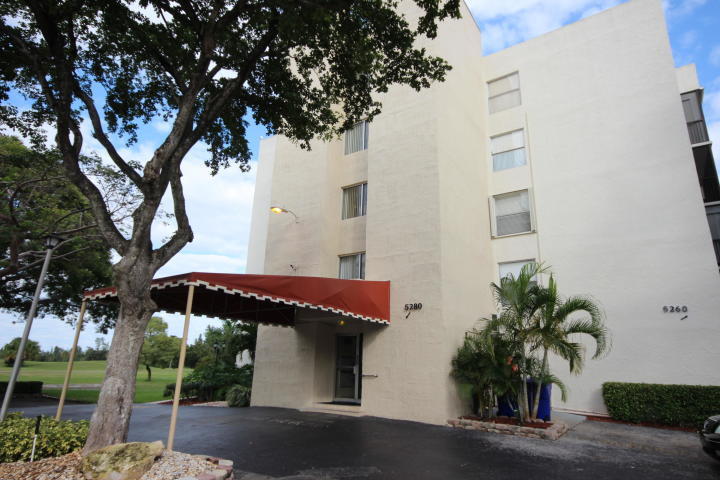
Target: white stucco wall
687	78
618	205
617	210
261	207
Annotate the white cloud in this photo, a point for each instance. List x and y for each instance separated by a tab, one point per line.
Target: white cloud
711	103
506	23
219	208
688	39
714	56
162	126
48	331
678	8
194	262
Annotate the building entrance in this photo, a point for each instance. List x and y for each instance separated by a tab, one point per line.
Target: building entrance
348	368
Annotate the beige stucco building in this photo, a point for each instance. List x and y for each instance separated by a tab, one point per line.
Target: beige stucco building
571	149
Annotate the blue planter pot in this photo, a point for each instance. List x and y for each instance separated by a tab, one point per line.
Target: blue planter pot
508	406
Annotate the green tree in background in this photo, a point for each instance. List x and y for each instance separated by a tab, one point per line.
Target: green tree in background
9	351
222	344
159	349
38	200
100	352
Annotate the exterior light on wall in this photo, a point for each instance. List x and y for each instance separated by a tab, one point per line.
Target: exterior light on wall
341	322
278	210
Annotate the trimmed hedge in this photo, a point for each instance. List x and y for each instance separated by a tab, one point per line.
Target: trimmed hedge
54	439
674	405
23	388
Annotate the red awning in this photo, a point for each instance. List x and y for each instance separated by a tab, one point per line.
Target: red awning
269	299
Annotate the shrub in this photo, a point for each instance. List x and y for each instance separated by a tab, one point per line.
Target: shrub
674	405
188	390
211	382
238	396
23	388
55	438
10	360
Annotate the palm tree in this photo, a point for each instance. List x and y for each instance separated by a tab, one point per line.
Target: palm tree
516	298
553	330
482	362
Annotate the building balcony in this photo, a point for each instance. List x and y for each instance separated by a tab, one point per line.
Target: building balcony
713	215
698	132
706	172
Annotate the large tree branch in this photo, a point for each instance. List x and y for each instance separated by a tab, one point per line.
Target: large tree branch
15	268
67	215
216	103
18	188
101	136
62	105
72	231
37	64
184	234
150	47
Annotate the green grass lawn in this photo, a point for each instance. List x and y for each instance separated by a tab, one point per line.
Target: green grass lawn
92	372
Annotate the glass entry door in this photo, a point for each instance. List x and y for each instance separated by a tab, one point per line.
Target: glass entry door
348	368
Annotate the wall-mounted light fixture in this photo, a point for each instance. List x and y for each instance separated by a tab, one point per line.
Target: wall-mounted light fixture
278	210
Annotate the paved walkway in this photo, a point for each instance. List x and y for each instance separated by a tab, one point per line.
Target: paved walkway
288	444
75	386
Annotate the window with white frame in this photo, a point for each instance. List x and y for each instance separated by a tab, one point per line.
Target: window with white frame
513	268
352	267
356	138
511	213
504	93
508	150
354	201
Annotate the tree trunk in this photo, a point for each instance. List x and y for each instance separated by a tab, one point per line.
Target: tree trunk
523	401
538	387
111	419
147	367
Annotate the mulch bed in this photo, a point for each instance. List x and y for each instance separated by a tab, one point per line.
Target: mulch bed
510	421
170	466
594	418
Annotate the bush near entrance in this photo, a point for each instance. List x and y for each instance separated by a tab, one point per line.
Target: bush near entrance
55	438
238	396
211	382
673	405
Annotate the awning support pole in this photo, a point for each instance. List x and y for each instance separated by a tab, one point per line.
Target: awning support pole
181	367
71	360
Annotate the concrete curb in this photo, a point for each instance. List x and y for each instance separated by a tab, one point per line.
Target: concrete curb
557	430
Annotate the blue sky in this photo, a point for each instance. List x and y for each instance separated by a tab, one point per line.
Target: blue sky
219	207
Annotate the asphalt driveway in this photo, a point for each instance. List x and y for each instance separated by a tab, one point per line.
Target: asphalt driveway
272	442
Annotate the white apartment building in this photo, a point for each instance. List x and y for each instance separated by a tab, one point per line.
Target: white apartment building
571	149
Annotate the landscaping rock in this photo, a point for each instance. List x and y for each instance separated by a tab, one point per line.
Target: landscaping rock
124	461
555	431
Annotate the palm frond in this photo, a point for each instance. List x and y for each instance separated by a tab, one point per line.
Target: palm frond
595	329
549	378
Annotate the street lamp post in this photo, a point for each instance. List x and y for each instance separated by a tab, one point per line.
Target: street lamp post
51	242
